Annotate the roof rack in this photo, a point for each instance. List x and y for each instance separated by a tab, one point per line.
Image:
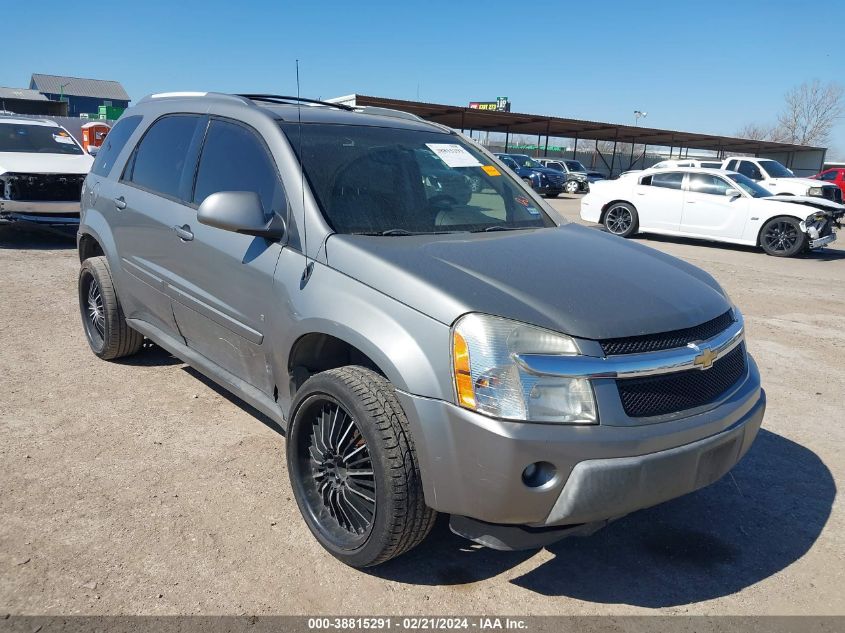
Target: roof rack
293	100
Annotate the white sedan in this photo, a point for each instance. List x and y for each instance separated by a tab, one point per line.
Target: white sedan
711	204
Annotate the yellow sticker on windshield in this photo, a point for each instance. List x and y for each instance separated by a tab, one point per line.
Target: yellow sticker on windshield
490	170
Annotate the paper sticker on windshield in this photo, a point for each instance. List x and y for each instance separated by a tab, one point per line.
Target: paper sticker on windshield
490	170
453	154
61	138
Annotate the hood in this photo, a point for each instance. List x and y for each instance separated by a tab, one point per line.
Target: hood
809	201
571	279
800	182
19	162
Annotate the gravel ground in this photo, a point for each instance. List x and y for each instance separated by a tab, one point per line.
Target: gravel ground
140	488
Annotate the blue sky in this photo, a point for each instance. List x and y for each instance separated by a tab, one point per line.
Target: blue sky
703	66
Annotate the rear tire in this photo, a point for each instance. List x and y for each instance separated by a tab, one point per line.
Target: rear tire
621	219
106	330
782	237
353	467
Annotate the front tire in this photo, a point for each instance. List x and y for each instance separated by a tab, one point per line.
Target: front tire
621	219
571	187
782	237
106	330
353	467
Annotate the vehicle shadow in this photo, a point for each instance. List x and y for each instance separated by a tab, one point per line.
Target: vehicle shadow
150	355
753	523
22	236
823	255
223	393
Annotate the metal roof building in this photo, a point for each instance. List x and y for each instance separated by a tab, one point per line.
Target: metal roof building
804	160
82	95
25	101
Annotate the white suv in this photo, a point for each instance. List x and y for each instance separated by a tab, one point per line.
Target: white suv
780	180
42	168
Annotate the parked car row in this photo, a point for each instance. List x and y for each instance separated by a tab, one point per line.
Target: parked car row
719	205
423	353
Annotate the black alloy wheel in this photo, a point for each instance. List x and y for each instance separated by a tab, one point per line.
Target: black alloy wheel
783	237
621	219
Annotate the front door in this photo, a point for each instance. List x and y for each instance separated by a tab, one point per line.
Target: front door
224	288
709	211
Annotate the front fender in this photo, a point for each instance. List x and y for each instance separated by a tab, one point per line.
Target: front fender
411	348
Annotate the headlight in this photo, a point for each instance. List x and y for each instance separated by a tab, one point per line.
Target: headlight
489	380
814	191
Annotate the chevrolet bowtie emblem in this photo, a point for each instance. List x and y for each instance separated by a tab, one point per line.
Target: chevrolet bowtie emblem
705	359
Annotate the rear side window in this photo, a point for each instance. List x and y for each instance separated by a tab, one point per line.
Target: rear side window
113	144
162	156
706	183
668	180
749	170
731	165
234	158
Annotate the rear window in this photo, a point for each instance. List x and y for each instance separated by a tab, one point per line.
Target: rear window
24	138
667	180
160	160
114	143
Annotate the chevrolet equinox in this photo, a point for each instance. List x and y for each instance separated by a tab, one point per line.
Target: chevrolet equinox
424	347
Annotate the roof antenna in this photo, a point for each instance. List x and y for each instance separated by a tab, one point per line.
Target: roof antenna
309	265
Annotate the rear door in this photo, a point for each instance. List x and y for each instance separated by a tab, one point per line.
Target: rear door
150	201
659	199
709	211
223	286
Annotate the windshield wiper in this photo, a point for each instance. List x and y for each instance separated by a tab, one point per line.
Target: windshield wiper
392	232
500	227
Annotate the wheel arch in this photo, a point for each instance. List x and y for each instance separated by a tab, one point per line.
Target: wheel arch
771	217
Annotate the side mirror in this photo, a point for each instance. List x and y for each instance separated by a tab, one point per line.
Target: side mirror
732	193
239	212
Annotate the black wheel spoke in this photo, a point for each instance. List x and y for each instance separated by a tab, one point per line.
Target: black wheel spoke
341	471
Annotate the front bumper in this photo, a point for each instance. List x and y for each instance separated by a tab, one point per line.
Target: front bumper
472	465
822	241
41	212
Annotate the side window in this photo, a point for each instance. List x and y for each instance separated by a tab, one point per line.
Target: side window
731	165
646	180
668	180
828	175
114	143
747	168
234	158
705	183
162	156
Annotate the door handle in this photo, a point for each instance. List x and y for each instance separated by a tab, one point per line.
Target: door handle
184	232
120	203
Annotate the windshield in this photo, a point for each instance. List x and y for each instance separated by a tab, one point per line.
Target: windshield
775	169
525	161
390	181
575	165
749	186
36	139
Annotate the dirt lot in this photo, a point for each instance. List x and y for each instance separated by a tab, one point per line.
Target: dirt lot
138	487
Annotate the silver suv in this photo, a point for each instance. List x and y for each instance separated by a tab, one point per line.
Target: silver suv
424	352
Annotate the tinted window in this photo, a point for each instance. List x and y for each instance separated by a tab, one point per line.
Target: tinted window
775	169
162	155
712	165
111	147
705	183
732	165
669	180
234	159
750	170
828	175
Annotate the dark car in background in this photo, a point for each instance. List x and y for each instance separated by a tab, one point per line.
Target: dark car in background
547	182
572	167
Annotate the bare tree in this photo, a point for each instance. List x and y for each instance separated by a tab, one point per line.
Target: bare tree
755	132
812	110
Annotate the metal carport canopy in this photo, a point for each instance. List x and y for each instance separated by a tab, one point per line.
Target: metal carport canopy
517	123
